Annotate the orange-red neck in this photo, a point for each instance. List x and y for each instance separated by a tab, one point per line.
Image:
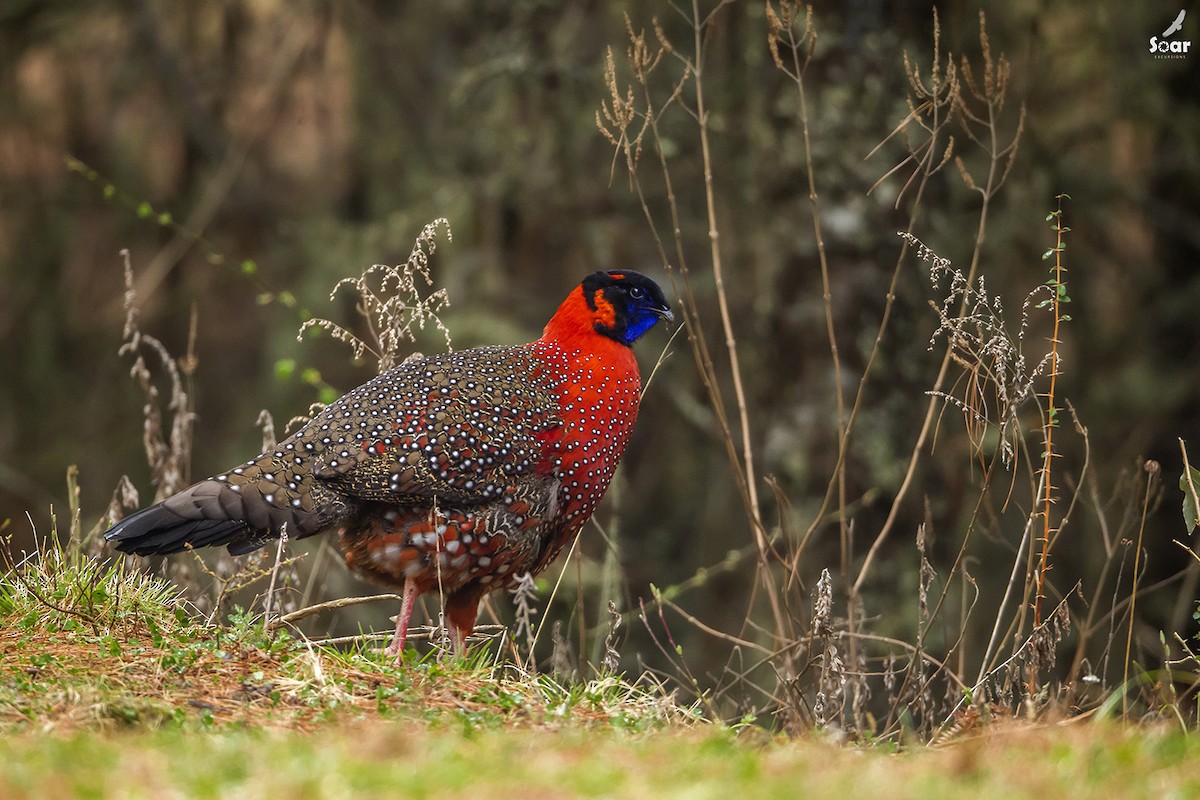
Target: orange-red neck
573	327
573	318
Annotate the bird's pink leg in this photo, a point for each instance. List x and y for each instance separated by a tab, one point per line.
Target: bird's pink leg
396	648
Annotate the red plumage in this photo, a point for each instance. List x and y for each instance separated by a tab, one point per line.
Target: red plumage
452	474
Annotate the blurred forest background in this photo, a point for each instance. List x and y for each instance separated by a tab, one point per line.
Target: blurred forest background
249	154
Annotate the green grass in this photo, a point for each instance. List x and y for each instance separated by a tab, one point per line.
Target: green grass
90	646
108	688
407	758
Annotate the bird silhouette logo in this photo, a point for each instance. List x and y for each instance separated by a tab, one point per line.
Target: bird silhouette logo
1166	47
1175	26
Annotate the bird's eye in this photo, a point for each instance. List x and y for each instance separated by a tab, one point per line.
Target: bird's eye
637	293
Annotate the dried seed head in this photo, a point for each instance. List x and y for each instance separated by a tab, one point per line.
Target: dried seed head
392	303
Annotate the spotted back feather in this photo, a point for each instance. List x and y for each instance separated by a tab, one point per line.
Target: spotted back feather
459	427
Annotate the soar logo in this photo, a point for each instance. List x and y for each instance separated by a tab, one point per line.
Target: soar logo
1167	47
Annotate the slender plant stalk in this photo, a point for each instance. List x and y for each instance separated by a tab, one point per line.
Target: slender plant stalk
1009	590
1050	422
749	479
269	607
614	121
731	347
1151	474
619	114
807	42
934	401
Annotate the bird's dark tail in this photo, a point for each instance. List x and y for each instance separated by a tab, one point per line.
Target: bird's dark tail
242	509
195	517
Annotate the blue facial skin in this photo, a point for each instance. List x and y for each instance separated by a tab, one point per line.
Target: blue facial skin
641	319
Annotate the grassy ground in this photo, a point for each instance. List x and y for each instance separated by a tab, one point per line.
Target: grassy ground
107	691
376	757
407	758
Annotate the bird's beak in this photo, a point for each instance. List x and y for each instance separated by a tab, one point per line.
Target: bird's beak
664	313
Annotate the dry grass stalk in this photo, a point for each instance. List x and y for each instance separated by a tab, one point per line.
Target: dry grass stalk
800	43
933	99
525	595
612	657
169	453
391	303
998	379
643	59
1153	470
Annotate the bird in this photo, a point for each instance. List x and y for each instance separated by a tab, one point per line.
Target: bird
455	473
1176	25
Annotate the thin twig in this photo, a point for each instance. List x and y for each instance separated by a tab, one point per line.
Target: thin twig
331	605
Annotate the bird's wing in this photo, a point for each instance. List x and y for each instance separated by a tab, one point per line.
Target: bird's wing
1176	25
460	427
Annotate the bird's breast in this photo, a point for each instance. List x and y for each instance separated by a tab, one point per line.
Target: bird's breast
598	394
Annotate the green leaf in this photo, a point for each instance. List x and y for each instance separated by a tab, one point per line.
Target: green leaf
145	210
249	267
1191	502
285	368
155	634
